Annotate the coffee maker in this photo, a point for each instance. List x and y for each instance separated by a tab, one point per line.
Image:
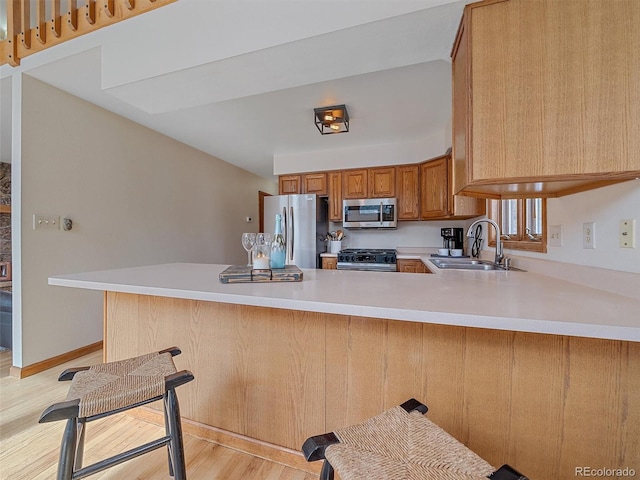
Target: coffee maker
452	238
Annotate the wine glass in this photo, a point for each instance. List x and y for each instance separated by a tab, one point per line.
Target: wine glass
248	241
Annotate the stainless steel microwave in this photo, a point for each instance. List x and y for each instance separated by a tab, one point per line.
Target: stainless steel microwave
370	213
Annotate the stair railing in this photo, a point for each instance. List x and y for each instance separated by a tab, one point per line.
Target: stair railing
56	21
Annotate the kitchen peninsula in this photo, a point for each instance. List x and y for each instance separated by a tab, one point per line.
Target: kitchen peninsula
524	369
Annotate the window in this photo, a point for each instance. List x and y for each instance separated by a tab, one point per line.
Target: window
522	221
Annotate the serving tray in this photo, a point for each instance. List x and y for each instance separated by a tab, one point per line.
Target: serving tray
246	274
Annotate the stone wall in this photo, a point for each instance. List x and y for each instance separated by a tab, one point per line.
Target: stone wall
5	218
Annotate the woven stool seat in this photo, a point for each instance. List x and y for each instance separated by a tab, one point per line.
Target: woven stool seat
102	390
116	385
399	444
403	446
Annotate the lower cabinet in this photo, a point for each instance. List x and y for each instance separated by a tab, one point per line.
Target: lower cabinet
411	266
329	263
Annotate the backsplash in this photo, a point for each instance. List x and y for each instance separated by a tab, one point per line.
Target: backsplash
408	234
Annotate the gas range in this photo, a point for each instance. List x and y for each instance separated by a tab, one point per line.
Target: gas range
376	259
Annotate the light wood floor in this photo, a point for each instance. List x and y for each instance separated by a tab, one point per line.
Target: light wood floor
29	450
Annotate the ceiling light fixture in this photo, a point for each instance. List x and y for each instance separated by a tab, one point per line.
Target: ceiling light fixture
334	119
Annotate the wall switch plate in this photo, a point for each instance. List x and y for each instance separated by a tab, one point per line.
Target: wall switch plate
555	236
46	222
628	233
589	235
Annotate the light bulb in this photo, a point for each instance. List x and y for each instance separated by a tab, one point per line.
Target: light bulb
335	127
328	118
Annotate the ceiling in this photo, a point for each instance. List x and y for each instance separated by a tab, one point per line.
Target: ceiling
244	86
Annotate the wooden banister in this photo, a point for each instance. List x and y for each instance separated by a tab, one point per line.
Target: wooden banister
41	19
31	32
25	25
56	19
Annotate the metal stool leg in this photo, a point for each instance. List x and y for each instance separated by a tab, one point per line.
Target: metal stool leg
68	450
175	429
327	471
81	428
168	433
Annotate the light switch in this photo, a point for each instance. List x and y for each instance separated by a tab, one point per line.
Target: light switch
555	235
46	222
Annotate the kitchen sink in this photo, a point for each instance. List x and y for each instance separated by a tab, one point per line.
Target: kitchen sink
465	264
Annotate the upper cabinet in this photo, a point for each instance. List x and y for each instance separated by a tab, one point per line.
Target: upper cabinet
335	196
355	183
314	183
437	201
423	191
433	177
546	97
382	182
289	184
408	190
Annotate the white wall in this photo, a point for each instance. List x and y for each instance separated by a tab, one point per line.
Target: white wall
415	151
606	207
408	234
135	197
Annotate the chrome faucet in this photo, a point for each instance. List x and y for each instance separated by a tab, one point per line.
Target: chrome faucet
499	253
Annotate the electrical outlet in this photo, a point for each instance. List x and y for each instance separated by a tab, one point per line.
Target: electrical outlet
46	222
589	235
555	236
628	233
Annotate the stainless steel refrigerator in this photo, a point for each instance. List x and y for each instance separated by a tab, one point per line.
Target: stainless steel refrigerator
304	225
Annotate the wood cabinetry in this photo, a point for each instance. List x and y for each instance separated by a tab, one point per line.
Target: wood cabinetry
437	200
423	191
355	183
279	376
314	183
382	182
411	266
408	192
545	97
433	188
289	184
329	263
335	196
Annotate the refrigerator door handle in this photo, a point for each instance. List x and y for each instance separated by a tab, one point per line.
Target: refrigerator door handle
284	224
292	233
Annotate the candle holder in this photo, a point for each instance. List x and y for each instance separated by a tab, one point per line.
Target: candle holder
261	252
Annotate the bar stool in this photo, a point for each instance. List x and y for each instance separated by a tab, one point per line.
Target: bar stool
105	389
399	444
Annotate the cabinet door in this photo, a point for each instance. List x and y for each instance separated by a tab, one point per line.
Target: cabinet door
335	196
382	182
354	184
408	192
329	263
434	192
461	108
314	183
543	96
289	184
411	266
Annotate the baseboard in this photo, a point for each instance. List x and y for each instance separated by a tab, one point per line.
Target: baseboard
23	372
251	446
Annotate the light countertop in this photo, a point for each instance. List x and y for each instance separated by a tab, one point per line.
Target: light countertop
517	301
